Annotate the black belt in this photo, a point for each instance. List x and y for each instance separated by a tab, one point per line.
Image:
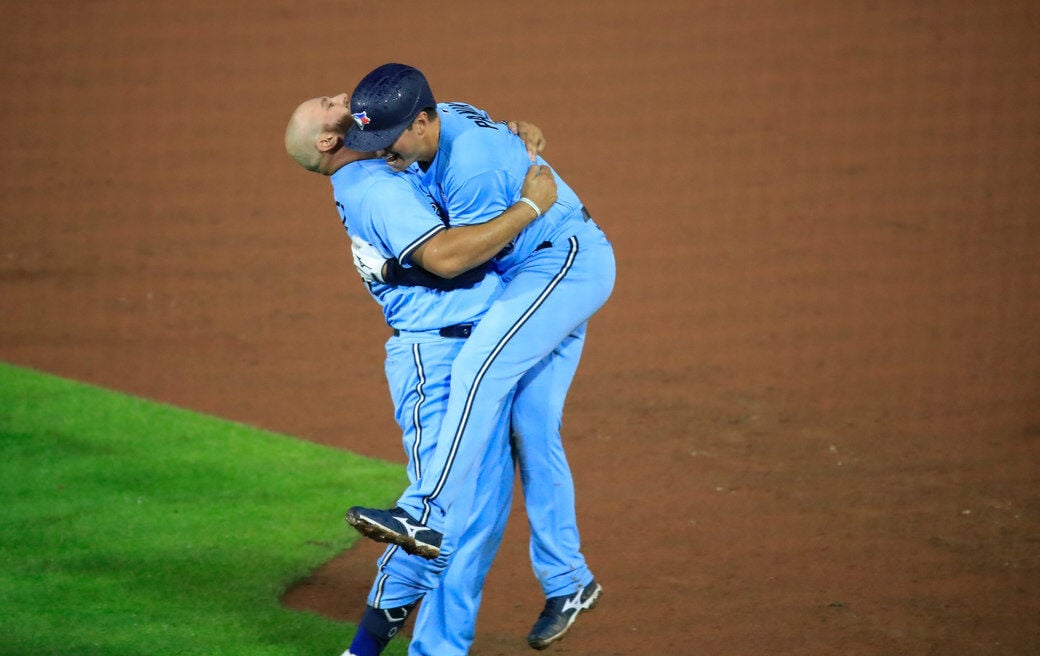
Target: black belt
458	331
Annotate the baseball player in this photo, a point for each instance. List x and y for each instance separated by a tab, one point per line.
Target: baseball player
559	270
430	325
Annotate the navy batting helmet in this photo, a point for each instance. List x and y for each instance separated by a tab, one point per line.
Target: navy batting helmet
384	103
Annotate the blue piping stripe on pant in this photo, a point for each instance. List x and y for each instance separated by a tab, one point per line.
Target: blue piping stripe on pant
457	439
416	415
420	374
380	585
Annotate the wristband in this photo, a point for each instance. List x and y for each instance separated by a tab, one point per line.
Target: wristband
530	203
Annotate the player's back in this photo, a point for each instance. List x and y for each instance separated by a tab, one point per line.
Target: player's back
478	173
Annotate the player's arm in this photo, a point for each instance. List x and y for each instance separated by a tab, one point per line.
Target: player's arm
461	248
396	275
372	266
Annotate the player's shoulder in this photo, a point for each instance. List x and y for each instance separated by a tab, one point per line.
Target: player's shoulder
459	109
476	141
373	171
369	175
461	121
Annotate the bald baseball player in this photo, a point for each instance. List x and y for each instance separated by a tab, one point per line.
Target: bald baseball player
559	270
430	325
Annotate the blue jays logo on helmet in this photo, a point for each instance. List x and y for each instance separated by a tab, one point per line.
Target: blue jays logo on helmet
384	104
361	118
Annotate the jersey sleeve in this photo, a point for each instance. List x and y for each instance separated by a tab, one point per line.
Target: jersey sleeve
401	216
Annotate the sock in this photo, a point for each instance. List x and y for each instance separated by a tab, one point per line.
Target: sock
377	627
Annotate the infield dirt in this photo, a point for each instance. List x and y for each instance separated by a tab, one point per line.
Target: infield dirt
817	383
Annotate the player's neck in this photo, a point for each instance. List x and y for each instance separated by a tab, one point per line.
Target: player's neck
341	158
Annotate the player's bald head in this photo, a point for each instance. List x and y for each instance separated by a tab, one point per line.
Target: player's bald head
301	135
314	136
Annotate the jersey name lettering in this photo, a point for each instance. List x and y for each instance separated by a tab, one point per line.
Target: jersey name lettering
472	114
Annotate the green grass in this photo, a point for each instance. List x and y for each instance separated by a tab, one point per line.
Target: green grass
130	528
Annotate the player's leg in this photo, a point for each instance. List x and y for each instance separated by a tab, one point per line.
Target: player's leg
554	293
545	472
418	376
556	556
446	621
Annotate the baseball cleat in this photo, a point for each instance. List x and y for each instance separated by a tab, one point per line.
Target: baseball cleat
560	613
395	526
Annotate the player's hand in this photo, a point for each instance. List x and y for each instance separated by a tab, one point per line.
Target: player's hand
367	260
531	135
540	187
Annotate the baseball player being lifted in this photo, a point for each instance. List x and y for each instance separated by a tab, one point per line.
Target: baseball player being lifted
559	270
430	327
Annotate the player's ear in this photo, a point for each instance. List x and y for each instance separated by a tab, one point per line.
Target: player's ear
328	142
421	122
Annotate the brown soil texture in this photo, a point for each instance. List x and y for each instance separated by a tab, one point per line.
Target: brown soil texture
808	420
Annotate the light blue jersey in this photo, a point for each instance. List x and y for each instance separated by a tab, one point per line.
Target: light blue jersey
478	172
376	206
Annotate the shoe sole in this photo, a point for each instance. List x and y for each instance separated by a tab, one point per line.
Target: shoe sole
545	642
379	533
